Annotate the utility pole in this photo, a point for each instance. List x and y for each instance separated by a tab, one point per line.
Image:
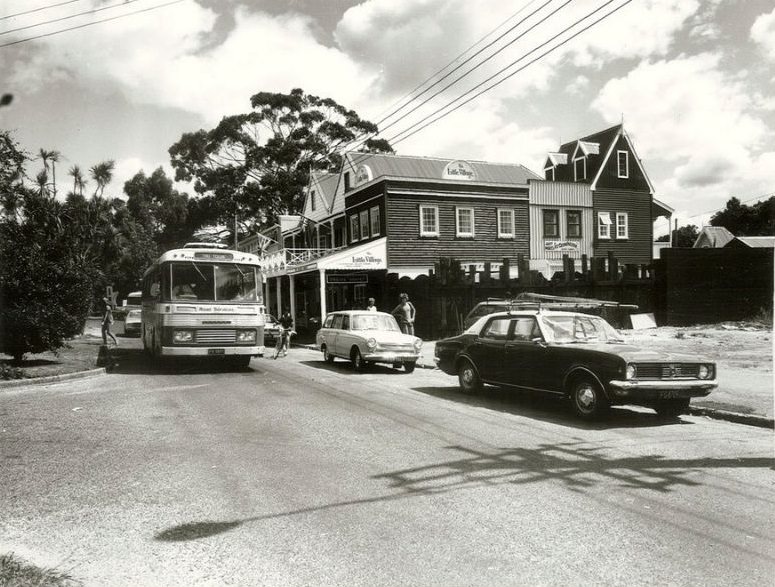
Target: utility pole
674	236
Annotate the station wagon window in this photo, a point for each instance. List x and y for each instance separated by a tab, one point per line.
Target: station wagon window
573	219
498	329
525	329
465	222
551	223
345	322
429	221
505	223
337	324
329	321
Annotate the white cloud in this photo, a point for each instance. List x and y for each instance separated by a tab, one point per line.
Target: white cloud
763	32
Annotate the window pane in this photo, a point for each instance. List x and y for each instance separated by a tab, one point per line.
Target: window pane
193	282
428	220
354	232
365	224
551	223
465	221
505	223
235	283
375	224
574	223
497	329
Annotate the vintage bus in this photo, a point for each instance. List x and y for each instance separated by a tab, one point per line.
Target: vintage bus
204	300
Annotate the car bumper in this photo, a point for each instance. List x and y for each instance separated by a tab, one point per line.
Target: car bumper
178	351
390	357
663	389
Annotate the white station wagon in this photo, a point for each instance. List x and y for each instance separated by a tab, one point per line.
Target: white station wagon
367	337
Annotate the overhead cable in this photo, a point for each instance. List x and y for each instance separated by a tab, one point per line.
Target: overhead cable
45	22
38	9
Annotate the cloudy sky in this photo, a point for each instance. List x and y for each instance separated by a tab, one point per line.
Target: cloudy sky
693	80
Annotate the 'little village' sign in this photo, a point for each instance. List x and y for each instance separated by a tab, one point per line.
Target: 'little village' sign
561	246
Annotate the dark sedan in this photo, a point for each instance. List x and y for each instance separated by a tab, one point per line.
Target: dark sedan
575	355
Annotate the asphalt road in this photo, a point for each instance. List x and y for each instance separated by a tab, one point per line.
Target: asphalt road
294	472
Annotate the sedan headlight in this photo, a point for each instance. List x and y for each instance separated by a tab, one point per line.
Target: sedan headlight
417	343
182	336
371	343
246	336
632	371
705	372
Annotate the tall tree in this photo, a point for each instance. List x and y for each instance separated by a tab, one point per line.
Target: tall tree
743	220
51	157
12	160
78	180
255	165
102	174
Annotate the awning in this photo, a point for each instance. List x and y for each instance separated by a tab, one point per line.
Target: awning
365	257
605	217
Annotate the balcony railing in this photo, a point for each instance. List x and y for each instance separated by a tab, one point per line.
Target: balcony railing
290	258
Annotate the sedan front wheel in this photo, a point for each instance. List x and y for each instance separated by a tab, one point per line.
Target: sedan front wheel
589	400
468	378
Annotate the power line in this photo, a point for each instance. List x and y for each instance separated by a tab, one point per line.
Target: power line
45	22
91	23
38	9
759	197
396	138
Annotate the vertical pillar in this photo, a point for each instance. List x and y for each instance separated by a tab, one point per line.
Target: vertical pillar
333	235
279	297
292	293
323	311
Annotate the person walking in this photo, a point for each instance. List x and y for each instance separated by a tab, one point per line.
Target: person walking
405	314
371	307
107	321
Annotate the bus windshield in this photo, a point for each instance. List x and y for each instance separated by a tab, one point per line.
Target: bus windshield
206	282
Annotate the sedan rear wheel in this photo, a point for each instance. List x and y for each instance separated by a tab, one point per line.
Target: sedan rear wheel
468	378
589	400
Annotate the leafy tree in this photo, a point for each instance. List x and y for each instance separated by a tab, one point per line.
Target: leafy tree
743	220
53	158
45	278
682	238
255	165
12	160
78	180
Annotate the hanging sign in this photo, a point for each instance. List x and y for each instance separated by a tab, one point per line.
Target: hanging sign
344	278
363	174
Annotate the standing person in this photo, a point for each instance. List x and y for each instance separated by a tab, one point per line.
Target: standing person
405	313
371	307
107	320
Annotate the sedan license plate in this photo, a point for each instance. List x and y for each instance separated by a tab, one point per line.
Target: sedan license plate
670	394
216	351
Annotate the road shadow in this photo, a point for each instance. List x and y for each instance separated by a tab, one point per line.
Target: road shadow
342	366
577	466
550	408
127	361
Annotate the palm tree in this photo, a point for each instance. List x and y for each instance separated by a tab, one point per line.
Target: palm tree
78	180
42	180
52	156
102	174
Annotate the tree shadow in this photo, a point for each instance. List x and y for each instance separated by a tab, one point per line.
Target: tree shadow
28	363
549	408
128	361
579	468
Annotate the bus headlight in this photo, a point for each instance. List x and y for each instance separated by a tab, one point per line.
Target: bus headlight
182	336
371	343
632	371
246	336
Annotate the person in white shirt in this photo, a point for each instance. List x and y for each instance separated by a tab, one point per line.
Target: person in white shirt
371	307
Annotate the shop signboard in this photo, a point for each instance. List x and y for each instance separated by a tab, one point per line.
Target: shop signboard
562	246
459	170
366	257
346	278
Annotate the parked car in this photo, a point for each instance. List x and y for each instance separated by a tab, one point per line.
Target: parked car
367	337
575	355
132	321
271	330
489	306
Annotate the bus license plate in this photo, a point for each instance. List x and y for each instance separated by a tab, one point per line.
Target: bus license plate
216	351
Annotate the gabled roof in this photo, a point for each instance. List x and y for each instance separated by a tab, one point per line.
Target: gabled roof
713	237
432	168
324	186
757	242
558	158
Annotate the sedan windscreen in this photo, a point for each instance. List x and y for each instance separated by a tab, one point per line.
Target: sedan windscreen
580	329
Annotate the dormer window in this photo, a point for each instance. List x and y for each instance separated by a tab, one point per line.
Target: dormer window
580	169
347	181
312	204
623	164
549	173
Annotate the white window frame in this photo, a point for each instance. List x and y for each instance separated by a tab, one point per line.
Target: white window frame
626	164
364	222
568	224
550	168
355	229
603	227
375	220
556	212
423	230
511	233
622	222
575	174
459	233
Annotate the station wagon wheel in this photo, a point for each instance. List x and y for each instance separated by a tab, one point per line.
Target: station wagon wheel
589	400
468	377
672	408
357	360
327	357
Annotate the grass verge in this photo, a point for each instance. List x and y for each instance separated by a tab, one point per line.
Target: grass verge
14	572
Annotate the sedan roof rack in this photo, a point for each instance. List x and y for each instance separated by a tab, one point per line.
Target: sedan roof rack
549	302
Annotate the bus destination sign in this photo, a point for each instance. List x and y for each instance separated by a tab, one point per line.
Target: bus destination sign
213	256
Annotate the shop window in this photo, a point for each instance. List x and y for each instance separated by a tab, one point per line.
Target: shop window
359	295
573	220
551	223
355	233
465	222
429	221
505	223
375	221
364	215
